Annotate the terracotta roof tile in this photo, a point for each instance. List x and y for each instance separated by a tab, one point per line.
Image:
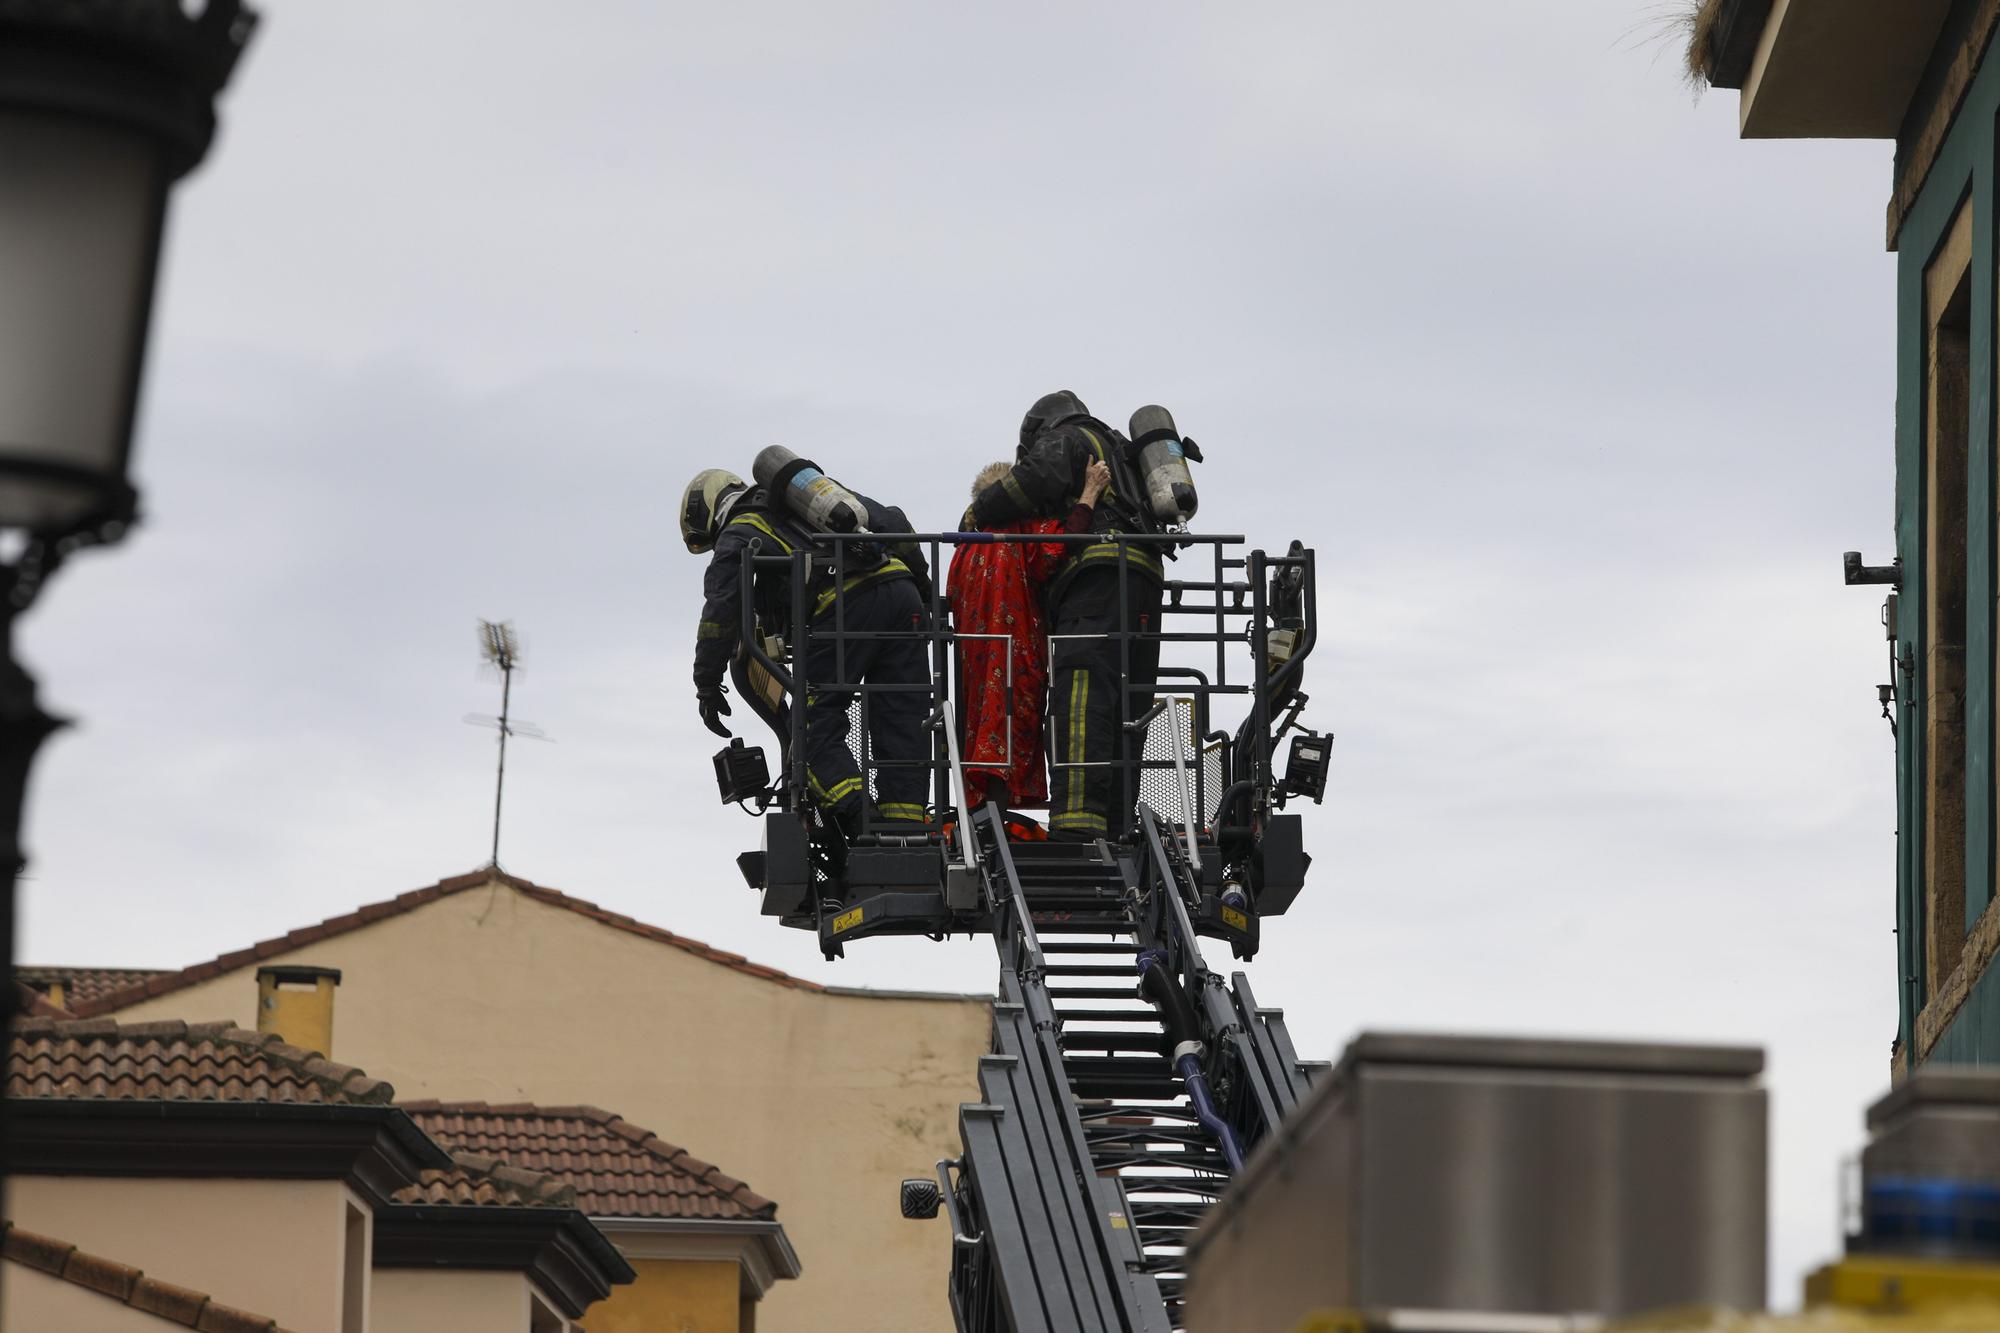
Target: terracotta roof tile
182	1305
36	1251
83	984
150	984
222	1319
616	1168
129	1286
476	1180
113	1279
94	1059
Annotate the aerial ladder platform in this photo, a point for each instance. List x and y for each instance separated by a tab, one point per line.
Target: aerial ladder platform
1127	1081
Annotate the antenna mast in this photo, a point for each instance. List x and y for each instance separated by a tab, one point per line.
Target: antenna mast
501	648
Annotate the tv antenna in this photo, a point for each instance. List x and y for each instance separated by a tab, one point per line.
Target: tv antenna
501	648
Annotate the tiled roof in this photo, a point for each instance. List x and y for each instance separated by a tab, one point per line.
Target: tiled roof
477	1181
618	1169
82	984
28	1000
127	1285
98	1059
166	982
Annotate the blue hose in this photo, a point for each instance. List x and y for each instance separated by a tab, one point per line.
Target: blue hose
1177	1017
1189	1065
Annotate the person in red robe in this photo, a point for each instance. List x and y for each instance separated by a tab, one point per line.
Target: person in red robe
996	588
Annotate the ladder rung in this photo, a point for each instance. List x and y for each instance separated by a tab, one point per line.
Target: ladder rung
1208	1186
1155	1042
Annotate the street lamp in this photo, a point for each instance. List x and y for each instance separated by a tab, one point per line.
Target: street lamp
104	104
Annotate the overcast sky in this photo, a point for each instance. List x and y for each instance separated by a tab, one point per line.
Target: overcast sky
1578	398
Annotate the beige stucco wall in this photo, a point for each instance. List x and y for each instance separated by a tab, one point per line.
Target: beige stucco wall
822	1102
272	1247
450	1300
30	1299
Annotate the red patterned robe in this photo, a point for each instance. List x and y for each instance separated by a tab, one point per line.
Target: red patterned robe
997	589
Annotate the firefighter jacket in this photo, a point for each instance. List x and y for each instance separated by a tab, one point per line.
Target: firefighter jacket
1046	480
755	519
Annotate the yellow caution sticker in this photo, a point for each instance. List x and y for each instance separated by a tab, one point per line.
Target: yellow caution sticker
847	921
1231	918
1118	1222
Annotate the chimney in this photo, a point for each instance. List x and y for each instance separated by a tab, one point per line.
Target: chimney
297	1004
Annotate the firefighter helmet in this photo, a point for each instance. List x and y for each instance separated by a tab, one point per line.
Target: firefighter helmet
1051	409
706	505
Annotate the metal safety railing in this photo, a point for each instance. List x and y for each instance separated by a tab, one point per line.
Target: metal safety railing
1221	622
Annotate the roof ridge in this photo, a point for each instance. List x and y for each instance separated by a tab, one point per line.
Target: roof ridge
369	913
533	1187
351	1083
519	1110
83	967
127	1285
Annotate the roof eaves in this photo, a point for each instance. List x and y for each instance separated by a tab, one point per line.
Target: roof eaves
345	1081
559	1248
767	1234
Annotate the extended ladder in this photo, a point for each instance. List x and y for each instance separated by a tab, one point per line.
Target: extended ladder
1126	1080
1109	1120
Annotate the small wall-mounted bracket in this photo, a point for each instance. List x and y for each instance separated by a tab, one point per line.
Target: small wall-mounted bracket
1855	572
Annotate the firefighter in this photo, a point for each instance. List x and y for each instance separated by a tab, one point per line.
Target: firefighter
1096	761
884	593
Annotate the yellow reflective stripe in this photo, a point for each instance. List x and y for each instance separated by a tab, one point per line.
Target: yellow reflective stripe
711	629
890	566
840	791
1079	699
900	810
1086	821
1013	489
757	521
1102	457
1137	554
845	787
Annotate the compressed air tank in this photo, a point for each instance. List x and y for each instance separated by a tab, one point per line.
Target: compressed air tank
799	485
1163	468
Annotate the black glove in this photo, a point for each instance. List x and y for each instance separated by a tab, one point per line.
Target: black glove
713	709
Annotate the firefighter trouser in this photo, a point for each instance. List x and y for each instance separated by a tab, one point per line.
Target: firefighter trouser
1084	715
896	739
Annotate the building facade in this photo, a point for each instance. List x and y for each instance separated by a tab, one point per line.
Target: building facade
1918	72
489	988
222	1179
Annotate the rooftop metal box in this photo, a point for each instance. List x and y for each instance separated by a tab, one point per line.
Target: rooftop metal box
1502	1176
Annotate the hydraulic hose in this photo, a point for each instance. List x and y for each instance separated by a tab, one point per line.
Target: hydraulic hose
1156	984
1187	1062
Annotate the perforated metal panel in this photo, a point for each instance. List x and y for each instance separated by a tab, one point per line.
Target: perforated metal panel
1160	787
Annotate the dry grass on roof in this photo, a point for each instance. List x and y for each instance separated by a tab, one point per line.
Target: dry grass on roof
1699	18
